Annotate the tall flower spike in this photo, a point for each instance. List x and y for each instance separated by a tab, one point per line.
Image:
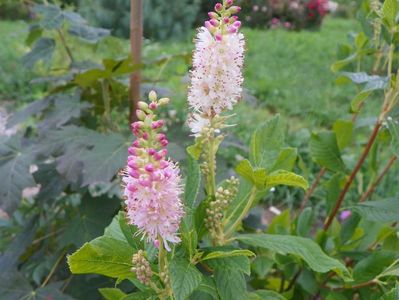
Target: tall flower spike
216	77
152	183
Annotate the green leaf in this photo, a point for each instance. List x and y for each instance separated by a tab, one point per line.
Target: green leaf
266	143
143	295
185	278
221	254
389	11
344	132
338	65
104	255
193	182
255	176
324	150
89	222
43	50
15	160
286	178
28	111
304	248
53	17
394	130
286	160
371	266
195	150
112	293
264	294
239	263
262	265
305	221
88	33
230	284
392	294
206	290
379	211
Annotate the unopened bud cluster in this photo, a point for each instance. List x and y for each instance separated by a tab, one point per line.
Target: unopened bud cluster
222	20
141	267
223	198
375	6
164	276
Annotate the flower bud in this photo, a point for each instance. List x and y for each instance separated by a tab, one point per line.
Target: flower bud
153	105
218	6
232	29
140	115
214	22
142	105
152	96
213	15
237	24
229	3
218	37
163	101
209	26
234	9
226	20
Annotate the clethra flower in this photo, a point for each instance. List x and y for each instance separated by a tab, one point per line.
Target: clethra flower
152	183
216	77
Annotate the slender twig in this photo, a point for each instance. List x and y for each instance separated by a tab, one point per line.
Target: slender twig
67	282
376	182
353	175
282	283
311	190
53	269
65	45
293	280
353	287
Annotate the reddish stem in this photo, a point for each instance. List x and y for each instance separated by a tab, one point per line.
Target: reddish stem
311	190
352	176
371	189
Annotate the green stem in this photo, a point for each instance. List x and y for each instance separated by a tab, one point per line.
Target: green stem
244	212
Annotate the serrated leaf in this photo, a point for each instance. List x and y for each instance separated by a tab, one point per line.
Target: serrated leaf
88	33
185	278
53	17
324	150
394	130
221	254
256	176
43	50
239	263
262	265
15	160
112	293
305	221
384	211
206	290
266	143
28	111
344	132
304	248
389	11
392	294
264	294
105	256
286	178
286	160
230	284
371	266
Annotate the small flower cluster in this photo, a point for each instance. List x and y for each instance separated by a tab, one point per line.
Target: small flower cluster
223	198
141	267
152	183
216	77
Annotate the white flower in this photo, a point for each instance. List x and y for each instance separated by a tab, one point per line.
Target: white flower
216	77
196	123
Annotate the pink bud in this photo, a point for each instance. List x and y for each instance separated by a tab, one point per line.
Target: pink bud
234	9
133	164
164	164
144	182
218	37
213	15
208	25
161	137
214	22
345	215
226	20
164	142
232	29
134	174
145	135
218	6
132	151
151	151
131	188
136	144
156	244
229	2
237	24
235	18
153	105
158	156
149	168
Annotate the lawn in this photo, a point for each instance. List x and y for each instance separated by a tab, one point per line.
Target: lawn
287	72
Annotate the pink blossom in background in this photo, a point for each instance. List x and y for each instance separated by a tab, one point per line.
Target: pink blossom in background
345	215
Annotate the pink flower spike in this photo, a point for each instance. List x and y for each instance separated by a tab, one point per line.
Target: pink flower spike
218	37
218	6
149	168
